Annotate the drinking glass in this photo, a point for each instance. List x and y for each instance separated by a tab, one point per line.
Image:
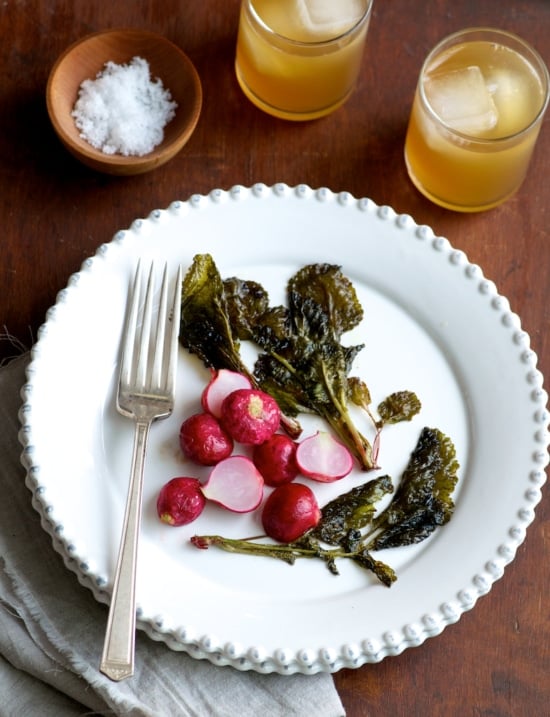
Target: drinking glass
299	59
477	112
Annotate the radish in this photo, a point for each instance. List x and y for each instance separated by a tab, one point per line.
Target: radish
322	458
236	484
221	384
180	501
203	440
276	459
250	416
289	512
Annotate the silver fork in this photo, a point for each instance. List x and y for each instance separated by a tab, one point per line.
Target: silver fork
145	393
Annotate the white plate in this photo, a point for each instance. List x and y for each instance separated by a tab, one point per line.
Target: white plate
433	324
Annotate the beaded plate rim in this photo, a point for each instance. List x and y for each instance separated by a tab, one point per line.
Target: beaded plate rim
369	648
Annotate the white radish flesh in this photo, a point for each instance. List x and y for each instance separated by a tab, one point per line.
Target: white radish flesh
222	383
236	484
322	458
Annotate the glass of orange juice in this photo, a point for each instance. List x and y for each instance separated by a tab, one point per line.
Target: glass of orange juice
477	112
299	59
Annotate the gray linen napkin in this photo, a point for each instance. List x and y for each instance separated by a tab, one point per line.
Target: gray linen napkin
51	630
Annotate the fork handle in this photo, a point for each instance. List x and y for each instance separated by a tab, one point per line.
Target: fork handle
117	660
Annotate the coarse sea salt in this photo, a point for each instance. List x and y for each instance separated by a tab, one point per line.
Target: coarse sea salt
123	111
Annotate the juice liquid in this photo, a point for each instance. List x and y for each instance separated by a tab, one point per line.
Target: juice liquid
470	135
294	68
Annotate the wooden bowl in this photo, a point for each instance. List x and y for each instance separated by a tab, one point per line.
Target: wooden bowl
86	57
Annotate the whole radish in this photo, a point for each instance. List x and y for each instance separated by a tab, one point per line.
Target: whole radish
203	440
276	459
250	416
180	501
289	512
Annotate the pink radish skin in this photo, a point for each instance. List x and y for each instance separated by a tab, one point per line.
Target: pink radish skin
203	440
236	484
276	460
322	458
180	501
250	416
289	512
221	384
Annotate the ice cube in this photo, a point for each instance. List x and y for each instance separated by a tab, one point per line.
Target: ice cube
462	100
513	96
328	18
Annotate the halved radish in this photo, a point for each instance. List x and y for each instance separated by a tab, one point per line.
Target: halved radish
322	458
221	384
236	484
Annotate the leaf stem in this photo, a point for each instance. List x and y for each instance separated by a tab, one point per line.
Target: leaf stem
289	552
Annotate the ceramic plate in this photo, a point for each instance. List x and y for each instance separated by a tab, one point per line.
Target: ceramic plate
433	324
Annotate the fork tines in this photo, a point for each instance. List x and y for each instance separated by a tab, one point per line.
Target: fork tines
149	351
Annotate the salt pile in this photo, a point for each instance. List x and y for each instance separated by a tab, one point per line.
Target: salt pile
462	100
123	111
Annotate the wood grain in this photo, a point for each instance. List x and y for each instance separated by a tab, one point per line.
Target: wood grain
55	212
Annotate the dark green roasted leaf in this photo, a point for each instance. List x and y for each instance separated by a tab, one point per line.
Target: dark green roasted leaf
399	406
351	511
359	392
205	328
383	572
324	286
272	329
413	527
423	499
245	302
279	381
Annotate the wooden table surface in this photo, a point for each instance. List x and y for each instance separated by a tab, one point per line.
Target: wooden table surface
54	213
